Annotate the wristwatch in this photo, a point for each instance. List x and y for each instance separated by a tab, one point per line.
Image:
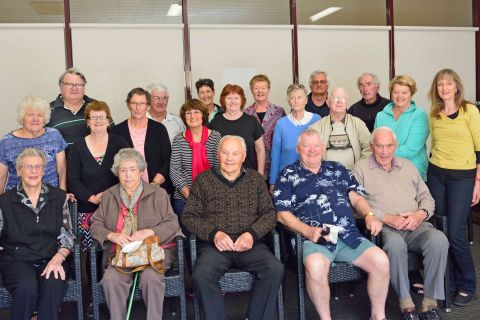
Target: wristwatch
369	213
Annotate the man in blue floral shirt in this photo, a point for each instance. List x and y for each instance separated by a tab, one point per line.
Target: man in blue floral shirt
310	193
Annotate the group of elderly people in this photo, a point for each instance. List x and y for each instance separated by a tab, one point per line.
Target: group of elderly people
232	174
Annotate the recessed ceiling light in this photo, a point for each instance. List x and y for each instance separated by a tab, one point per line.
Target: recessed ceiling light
324	13
175	10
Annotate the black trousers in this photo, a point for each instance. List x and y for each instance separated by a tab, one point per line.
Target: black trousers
212	264
30	291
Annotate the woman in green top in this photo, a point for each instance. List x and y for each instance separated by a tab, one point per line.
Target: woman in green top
408	122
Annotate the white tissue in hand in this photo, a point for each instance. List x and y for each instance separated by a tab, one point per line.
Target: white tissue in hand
131	246
334	231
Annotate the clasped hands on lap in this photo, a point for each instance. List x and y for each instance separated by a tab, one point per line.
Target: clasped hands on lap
405	220
223	242
121	239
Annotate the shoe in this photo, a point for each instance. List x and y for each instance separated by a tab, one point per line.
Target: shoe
462	301
429	315
410	315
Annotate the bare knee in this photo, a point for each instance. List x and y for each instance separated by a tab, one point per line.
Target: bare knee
317	267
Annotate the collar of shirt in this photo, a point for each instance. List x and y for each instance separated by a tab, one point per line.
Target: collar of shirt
372	163
66	107
307	116
218	173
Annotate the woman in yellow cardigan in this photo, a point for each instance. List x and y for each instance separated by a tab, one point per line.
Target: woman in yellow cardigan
453	174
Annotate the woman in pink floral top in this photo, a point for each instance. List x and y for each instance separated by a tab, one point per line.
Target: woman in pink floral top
266	112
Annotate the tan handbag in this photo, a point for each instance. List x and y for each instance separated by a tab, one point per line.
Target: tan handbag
150	254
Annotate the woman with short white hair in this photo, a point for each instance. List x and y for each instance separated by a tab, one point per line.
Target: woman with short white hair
32	114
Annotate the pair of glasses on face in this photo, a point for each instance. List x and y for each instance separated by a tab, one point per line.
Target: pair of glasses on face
137	104
163	99
30	167
73	85
319	82
99	118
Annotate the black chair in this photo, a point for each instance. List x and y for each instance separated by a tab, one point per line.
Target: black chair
174	281
339	272
74	282
237	280
415	260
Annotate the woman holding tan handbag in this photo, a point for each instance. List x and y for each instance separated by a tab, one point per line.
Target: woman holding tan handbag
133	211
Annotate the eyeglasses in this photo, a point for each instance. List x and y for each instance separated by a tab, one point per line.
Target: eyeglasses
137	104
193	113
339	99
30	167
317	82
163	99
124	171
95	118
73	85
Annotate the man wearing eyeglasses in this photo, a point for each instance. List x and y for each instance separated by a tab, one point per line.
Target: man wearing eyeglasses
317	99
68	108
158	110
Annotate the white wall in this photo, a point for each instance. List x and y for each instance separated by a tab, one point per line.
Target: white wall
235	53
422	51
118	58
344	52
32	57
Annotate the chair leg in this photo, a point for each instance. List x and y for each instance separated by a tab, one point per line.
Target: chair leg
351	289
334	288
470	228
173	306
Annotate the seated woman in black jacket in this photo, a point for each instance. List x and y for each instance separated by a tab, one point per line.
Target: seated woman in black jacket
36	236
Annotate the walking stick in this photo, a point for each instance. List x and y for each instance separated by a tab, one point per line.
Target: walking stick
132	295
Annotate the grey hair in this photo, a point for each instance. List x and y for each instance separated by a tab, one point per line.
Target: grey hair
74	71
374	77
128	154
159	87
337	88
309	132
294	87
35	103
30	152
316	73
376	130
229	136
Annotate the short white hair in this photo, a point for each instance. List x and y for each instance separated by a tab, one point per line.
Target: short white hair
374	77
238	138
316	73
309	132
35	103
128	154
160	87
377	130
30	152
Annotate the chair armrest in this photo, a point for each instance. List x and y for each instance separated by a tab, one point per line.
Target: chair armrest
441	222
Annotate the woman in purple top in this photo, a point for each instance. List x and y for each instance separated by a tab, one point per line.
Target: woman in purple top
32	114
266	112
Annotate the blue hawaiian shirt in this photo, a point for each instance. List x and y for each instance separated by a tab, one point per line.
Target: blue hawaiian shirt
318	198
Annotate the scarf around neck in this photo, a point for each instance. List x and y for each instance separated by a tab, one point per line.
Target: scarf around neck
127	222
199	152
